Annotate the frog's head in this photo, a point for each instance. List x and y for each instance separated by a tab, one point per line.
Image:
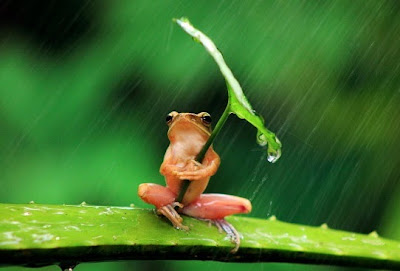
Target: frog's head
188	124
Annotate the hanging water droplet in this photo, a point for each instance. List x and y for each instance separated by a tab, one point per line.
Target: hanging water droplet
273	155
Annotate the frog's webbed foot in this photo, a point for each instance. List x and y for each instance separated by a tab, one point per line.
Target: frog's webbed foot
169	212
231	232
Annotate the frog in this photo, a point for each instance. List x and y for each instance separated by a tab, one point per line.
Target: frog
188	133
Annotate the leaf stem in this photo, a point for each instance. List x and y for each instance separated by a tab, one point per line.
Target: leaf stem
206	146
214	133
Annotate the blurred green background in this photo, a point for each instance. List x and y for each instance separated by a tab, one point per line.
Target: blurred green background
85	87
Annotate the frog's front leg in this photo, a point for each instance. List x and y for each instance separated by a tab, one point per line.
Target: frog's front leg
215	207
164	201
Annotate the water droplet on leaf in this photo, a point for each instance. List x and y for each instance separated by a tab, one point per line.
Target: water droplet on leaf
273	153
273	156
261	139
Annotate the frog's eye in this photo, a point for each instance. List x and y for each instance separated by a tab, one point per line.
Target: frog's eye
169	118
206	119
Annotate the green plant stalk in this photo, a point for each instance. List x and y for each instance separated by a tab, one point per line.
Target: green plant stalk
202	153
40	235
214	133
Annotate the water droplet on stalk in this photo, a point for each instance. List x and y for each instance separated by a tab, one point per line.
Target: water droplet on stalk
274	153
373	234
324	226
67	267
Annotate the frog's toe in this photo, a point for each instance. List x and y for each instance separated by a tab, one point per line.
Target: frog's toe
230	231
171	214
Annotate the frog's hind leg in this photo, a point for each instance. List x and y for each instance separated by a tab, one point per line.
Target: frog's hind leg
217	206
164	201
214	207
156	194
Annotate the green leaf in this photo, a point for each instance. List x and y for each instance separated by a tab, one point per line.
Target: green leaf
38	235
238	103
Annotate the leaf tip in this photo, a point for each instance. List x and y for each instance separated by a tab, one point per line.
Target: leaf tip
181	20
